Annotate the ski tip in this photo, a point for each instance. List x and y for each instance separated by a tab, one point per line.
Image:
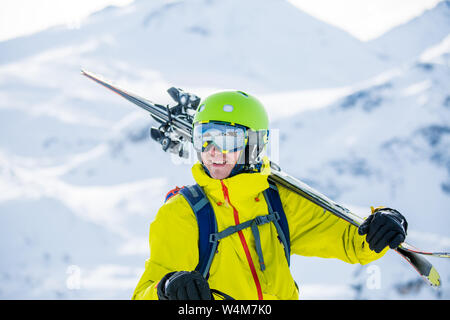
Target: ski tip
86	73
433	278
442	254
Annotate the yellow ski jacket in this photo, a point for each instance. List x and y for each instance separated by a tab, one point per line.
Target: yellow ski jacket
235	268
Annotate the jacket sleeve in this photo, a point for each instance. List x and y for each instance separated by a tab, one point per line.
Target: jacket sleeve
173	246
319	233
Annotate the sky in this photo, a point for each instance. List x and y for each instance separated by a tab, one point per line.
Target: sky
22	17
364	19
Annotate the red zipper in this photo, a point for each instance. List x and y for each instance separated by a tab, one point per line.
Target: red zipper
244	243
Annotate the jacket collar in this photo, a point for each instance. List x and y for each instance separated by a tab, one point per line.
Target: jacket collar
240	186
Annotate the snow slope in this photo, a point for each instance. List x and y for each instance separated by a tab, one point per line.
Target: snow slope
80	181
387	144
414	36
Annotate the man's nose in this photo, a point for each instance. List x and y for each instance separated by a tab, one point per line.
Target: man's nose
214	151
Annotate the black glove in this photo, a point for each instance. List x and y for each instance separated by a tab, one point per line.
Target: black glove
385	227
184	285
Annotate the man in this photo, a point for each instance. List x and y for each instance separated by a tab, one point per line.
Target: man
230	132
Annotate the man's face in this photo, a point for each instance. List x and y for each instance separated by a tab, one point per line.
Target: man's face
219	164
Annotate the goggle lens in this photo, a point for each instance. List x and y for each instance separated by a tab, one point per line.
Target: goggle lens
225	137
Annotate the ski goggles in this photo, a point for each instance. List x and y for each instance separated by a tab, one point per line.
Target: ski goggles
224	136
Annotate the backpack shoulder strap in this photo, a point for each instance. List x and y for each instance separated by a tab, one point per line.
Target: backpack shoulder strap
172	193
207	225
274	205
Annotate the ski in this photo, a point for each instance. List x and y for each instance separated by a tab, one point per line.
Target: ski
175	127
408	252
174	134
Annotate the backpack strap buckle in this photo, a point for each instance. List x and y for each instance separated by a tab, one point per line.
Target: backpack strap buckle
213	238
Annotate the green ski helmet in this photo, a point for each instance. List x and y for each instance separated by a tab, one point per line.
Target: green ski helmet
233	107
240	108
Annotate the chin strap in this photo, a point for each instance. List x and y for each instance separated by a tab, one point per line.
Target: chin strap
244	163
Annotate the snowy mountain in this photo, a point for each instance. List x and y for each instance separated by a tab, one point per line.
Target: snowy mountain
386	144
80	182
263	46
407	41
